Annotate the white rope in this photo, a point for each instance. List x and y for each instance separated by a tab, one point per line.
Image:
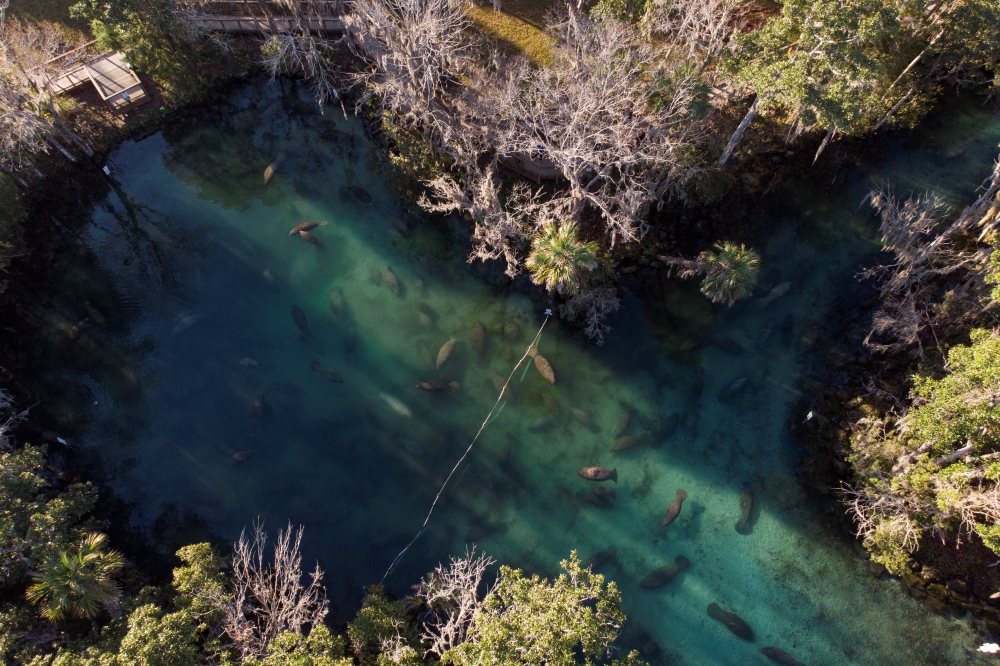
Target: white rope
527	352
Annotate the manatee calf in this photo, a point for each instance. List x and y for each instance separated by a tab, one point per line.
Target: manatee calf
390	280
733	390
337	306
665	574
599	474
477	337
445	351
424	352
580	415
733	622
774	294
780	656
326	373
743	525
260	410
602	491
312	240
674	509
299	317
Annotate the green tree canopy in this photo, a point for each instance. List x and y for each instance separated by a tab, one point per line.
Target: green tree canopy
559	258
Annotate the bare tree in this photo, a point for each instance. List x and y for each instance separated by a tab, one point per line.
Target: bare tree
450	595
269	596
618	127
415	48
694	29
592	305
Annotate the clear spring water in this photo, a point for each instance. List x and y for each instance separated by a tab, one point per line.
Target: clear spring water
191	263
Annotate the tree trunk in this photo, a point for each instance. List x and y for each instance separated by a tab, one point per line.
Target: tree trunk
826	142
738	134
894	109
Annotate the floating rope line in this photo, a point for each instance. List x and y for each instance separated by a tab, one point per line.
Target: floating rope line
527	352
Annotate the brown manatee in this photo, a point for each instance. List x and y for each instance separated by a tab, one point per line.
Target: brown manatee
305	226
326	373
602	491
424	352
780	656
390	280
337	305
629	442
312	240
599	474
602	556
299	317
743	525
361	194
242	456
674	509
544	368
665	574
622	425
437	387
733	622
445	351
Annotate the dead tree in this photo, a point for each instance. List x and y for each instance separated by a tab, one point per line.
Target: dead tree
450	598
269	596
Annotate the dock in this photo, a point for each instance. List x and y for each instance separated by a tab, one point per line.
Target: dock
110	75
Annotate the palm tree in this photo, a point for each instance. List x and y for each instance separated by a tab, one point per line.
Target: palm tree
730	271
77	582
558	257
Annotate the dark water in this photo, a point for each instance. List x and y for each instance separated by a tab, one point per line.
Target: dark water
190	262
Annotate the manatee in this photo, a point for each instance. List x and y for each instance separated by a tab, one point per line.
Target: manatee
623	422
247	362
542	424
774	294
629	442
580	415
424	320
743	525
601	556
326	373
674	508
312	240
300	320
428	311
242	456
725	343
390	280
437	387
545	369
305	226
733	622
512	330
269	172
602	491
780	656
477	337
445	351
260	410
733	390
337	306
361	194
599	474
665	574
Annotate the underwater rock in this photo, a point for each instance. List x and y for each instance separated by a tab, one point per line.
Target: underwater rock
512	330
774	294
326	373
247	362
602	491
437	387
361	194
665	574
725	343
260	410
306	226
780	656
242	456
733	622
445	351
312	240
743	525
674	508
477	337
602	556
623	422
599	474
733	390
390	280
299	317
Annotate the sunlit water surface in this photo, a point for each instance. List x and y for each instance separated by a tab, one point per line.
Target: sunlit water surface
190	261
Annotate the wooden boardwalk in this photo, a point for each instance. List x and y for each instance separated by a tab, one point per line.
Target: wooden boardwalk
245	24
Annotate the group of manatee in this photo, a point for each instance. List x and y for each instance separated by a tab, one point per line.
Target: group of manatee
663	575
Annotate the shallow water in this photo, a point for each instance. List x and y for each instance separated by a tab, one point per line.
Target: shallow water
190	262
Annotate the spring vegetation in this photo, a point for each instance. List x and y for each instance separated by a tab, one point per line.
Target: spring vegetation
621	107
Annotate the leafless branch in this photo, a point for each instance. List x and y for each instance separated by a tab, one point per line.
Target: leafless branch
451	597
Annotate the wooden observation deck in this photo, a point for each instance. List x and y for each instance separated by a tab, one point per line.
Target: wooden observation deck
110	75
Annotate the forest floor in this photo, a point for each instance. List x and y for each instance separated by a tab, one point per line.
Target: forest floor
518	28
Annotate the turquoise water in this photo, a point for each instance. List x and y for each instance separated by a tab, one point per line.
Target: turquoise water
190	262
